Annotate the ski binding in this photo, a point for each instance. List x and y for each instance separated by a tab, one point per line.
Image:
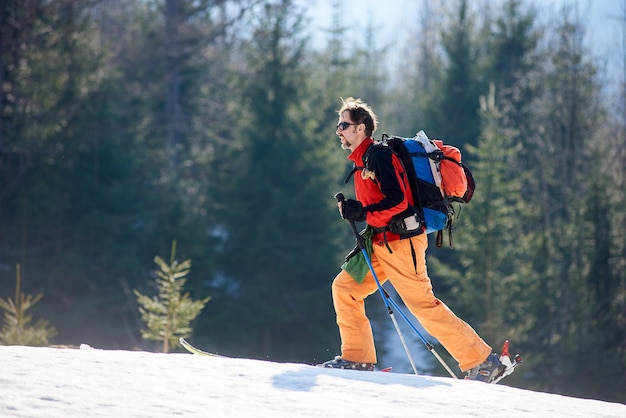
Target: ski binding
509	364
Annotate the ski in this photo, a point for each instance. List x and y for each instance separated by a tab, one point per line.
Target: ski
505	358
383	370
194	350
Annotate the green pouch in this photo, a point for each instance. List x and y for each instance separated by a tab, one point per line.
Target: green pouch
356	266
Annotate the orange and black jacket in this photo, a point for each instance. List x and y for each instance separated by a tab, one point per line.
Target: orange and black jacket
382	187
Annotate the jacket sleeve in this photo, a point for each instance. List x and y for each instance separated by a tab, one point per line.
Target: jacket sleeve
381	163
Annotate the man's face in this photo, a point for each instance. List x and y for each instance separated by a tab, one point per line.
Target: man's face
350	134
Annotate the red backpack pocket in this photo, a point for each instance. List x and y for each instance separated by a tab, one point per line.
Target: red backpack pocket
456	179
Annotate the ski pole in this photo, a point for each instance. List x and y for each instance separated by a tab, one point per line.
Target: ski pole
428	345
388	300
361	244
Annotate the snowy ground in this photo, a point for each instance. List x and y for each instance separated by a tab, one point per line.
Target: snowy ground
53	382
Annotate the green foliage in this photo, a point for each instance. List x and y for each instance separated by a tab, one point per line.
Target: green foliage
453	112
278	205
489	231
17	328
228	111
168	315
568	184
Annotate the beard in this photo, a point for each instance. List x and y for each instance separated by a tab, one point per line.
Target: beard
345	144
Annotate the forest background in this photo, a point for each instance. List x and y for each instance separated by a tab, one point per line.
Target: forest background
128	124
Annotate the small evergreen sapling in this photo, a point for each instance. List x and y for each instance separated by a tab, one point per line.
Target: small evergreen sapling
17	329
168	315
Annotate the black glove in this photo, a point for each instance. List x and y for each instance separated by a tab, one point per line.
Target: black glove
352	210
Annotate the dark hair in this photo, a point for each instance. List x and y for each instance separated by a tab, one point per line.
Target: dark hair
360	112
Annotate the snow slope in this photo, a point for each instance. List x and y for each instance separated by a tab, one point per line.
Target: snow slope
54	382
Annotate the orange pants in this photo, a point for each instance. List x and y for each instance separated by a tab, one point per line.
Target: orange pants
412	283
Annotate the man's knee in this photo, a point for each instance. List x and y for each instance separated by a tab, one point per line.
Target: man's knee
341	283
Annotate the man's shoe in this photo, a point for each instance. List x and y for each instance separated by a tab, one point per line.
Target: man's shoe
339	363
488	370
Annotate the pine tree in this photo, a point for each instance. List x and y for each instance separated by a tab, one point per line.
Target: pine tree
418	79
278	205
491	235
510	48
562	190
454	111
169	314
17	329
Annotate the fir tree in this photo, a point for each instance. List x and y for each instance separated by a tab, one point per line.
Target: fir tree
491	238
168	315
16	329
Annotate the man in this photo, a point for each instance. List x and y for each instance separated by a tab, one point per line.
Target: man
382	194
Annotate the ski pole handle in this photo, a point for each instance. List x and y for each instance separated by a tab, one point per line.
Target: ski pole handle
359	239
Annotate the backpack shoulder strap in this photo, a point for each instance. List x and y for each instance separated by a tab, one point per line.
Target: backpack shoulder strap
376	147
397	146
351	173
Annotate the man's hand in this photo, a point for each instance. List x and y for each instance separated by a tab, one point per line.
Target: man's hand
352	210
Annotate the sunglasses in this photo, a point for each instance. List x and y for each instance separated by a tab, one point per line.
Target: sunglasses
343	125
